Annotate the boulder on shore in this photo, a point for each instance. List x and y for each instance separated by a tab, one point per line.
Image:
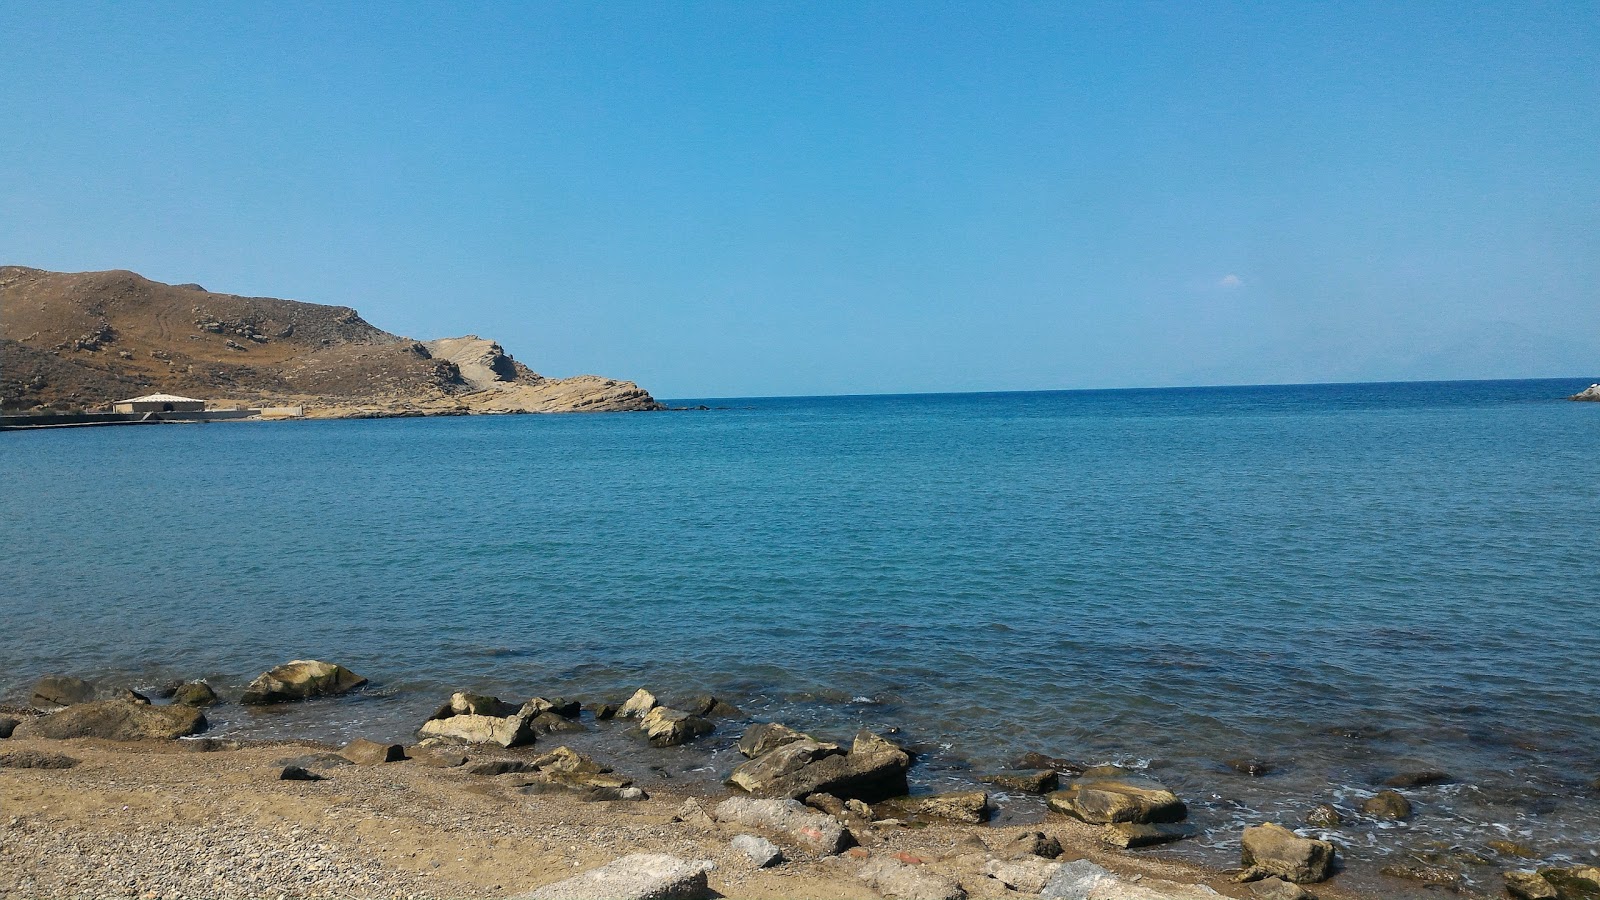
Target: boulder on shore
465	703
507	731
896	879
116	720
197	694
759	775
873	770
765	737
1273	850
636	706
363	752
965	807
1104	800
642	876
300	679
815	831
53	691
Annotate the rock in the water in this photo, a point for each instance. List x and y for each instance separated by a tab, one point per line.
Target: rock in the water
1424	778
707	706
1245	765
555	723
1104	800
761	851
1512	848
1387	805
197	694
642	876
300	679
1575	882
560	706
1075	881
1027	781
1028	843
298	773
1424	872
873	770
1036	760
818	832
1272	850
508	731
1278	889
763	738
1592	392
1324	815
53	691
636	706
759	775
34	759
130	695
605	711
1028	875
371	753
966	807
665	727
1530	886
466	703
116	720
8	725
1133	835
896	879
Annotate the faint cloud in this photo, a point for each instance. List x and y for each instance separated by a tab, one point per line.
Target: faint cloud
1230	280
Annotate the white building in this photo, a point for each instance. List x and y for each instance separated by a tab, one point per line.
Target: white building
159	403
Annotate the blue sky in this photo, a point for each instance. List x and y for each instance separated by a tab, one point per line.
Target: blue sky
726	199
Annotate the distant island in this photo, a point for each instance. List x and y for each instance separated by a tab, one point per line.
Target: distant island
73	342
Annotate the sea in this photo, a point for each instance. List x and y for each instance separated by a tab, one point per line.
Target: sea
1337	583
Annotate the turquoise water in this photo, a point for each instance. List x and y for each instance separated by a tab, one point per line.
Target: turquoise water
1346	581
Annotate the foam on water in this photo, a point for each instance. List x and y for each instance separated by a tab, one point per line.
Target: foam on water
1345	581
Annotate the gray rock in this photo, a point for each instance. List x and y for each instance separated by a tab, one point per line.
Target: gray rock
1028	843
1278	889
1027	781
197	694
896	879
296	773
560	706
1387	805
765	737
873	770
1272	850
116	720
508	731
34	759
8	725
761	851
1027	875
605	711
466	703
54	691
761	774
665	727
1247	765
1592	392
551	722
642	876
636	706
300	679
1104	800
815	831
363	752
1324	815
1075	880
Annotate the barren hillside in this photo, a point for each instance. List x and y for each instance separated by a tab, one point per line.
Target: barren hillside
84	340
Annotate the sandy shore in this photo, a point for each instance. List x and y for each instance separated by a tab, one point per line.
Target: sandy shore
165	820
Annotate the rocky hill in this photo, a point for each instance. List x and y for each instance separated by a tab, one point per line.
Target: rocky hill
71	341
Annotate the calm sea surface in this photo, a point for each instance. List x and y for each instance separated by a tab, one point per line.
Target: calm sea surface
1344	581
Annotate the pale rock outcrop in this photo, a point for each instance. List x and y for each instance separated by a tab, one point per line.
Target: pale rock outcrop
893	878
765	737
506	731
665	727
1592	392
966	807
1104	800
815	831
1272	850
636	706
642	876
1028	875
761	851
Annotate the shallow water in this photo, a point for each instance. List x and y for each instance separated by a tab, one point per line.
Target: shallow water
1165	578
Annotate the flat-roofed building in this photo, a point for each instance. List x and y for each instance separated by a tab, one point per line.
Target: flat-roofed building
159	403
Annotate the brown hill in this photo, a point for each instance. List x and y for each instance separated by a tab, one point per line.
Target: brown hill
85	340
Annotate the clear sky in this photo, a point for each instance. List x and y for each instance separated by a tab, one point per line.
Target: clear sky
748	198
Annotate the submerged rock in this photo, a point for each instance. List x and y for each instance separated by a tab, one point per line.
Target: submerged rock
116	720
197	694
1575	882
300	679
1244	765
1324	815
763	738
1272	850
1512	848
1425	778
1027	781
53	691
1036	760
1424	872
1387	805
1105	800
642	876
665	727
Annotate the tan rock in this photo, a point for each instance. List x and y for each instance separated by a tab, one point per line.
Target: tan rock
300	679
506	731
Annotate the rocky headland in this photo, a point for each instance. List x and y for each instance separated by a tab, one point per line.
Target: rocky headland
82	341
108	792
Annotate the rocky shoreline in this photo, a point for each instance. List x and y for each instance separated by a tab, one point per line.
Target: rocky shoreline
802	816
